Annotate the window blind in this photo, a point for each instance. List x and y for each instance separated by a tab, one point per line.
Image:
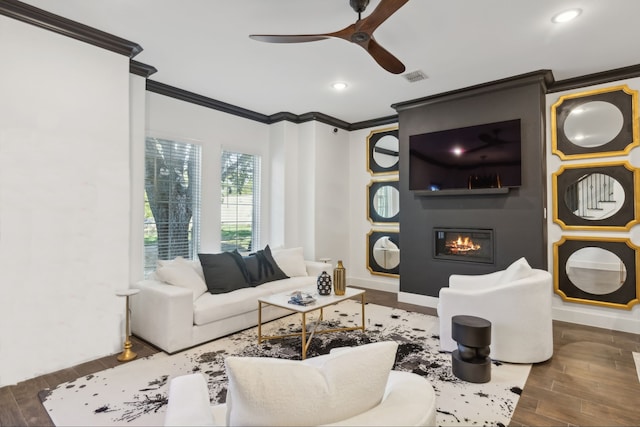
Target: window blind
172	200
240	208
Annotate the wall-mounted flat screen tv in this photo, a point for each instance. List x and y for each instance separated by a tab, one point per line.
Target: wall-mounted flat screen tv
474	157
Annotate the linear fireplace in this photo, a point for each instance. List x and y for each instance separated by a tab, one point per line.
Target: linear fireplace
464	244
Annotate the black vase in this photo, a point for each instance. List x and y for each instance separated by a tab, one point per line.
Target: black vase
324	284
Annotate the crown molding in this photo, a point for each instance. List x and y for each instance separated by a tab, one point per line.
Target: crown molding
194	98
43	19
382	121
141	69
608	76
544	77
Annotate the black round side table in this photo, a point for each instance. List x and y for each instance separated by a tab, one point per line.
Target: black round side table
471	362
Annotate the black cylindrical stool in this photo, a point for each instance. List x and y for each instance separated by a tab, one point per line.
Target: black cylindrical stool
471	362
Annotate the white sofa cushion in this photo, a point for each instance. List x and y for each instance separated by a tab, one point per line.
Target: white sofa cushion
291	261
211	308
519	269
181	273
320	390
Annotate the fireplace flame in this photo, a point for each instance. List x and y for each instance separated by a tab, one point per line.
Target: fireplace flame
462	245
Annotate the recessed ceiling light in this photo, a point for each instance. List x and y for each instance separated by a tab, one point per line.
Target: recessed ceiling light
339	85
566	16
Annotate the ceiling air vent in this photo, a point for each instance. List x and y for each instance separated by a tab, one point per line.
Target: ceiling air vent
415	76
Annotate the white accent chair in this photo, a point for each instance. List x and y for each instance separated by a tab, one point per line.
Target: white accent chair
286	392
517	301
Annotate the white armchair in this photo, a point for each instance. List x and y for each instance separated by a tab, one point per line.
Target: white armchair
351	386
517	302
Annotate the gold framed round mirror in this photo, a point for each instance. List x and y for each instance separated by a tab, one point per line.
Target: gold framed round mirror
383	201
383	151
383	252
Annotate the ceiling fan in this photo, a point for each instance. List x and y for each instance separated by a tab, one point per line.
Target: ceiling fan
490	141
360	33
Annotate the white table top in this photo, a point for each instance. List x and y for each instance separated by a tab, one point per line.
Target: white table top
127	292
281	299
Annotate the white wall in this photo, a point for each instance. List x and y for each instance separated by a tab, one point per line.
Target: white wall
604	317
64	200
359	225
332	210
137	132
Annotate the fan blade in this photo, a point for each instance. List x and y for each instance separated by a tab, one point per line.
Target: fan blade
384	58
385	9
300	38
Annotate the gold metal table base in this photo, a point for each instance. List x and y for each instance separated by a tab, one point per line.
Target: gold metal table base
306	339
127	354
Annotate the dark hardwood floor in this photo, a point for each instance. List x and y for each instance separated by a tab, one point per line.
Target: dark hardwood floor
590	381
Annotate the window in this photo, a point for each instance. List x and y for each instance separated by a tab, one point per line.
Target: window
172	201
240	211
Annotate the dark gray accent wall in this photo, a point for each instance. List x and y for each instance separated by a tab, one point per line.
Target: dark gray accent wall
517	217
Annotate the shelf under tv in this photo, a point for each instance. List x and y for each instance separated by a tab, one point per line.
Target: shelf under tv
461	192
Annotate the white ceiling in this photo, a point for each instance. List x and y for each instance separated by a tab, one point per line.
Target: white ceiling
202	46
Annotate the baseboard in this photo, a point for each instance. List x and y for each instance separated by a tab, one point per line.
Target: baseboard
423	300
597	320
374	284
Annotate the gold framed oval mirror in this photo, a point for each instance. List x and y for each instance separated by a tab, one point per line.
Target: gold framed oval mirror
595	123
596	270
597	196
599	271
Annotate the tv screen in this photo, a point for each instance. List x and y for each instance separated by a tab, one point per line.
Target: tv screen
482	156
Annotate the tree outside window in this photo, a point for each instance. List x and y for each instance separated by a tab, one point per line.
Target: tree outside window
240	184
172	200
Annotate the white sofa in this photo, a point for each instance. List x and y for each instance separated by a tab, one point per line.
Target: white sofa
517	301
179	314
352	386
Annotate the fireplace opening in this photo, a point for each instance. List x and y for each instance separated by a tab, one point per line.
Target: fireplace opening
464	244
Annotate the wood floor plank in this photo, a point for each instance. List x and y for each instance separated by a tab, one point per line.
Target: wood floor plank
61	376
619	398
606	376
527	417
26	396
630	416
568	409
10	413
89	368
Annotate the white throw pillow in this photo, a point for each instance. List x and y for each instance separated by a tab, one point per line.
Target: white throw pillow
290	261
182	274
517	270
320	390
165	262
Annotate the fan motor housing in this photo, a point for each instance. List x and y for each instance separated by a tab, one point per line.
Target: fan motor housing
359	5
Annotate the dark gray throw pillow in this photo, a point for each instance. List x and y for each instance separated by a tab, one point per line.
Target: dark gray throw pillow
262	268
224	272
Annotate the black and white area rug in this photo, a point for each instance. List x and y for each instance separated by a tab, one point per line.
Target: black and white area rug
135	393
